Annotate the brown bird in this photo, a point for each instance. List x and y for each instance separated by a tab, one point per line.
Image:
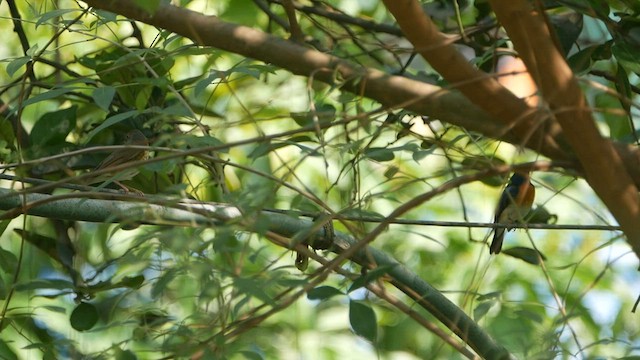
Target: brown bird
123	156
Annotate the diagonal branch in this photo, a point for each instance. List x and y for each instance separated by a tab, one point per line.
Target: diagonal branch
482	89
391	91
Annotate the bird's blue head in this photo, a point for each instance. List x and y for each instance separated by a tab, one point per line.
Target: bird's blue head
518	179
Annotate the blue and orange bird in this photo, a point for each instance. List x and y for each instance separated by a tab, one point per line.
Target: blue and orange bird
514	204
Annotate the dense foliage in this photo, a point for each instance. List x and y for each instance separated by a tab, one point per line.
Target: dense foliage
236	128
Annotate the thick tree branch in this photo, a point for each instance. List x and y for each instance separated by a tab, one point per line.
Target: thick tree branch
604	168
391	91
482	89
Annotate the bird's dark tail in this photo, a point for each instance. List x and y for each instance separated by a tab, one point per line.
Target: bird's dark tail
496	244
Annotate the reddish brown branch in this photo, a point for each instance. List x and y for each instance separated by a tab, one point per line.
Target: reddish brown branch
483	90
604	168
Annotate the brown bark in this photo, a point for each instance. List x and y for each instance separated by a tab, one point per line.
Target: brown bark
391	91
604	168
528	123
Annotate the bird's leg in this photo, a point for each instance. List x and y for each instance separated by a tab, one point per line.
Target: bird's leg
129	190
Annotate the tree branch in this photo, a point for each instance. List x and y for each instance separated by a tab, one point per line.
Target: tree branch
391	91
483	90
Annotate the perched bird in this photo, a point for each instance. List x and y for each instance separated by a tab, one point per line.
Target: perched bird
123	156
514	204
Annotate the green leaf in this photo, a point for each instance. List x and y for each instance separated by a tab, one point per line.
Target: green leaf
202	84
39	284
627	55
6	353
252	355
481	162
368	277
47	95
3	289
179	85
52	14
323	293
133	282
84	317
8	261
163	282
324	114
360	213
120	354
363	320
7	135
488	296
482	309
601	8
56	309
379	154
614	115
581	61
188	141
3	226
53	127
178	109
300	202
263	149
16	64
237	11
568	26
254	288
391	172
45	243
530	315
527	255
419	155
110	121
103	96
540	215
